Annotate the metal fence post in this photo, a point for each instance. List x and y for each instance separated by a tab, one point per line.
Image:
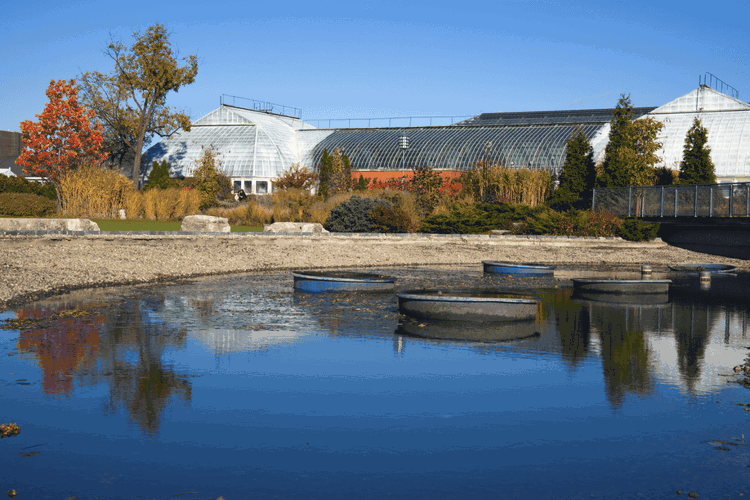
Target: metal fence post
695	202
731	200
630	199
661	204
593	201
675	202
711	201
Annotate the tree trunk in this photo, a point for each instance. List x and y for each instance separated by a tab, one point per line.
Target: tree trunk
135	173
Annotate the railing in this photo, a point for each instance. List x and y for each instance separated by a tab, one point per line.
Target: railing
706	200
268	107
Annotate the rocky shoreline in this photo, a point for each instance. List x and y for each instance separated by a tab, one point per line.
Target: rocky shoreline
44	265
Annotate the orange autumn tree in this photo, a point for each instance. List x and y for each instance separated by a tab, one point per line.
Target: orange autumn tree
64	138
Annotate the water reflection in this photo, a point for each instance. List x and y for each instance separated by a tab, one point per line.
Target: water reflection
687	338
62	343
119	344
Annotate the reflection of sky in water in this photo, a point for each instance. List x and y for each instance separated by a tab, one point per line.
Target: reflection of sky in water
237	386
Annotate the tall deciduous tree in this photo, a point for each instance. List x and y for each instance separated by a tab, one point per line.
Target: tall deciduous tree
64	138
579	170
696	166
630	156
131	101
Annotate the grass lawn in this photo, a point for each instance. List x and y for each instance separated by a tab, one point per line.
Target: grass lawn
154	225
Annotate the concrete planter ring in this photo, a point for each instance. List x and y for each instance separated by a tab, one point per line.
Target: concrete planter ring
341	281
432	305
491	267
610	286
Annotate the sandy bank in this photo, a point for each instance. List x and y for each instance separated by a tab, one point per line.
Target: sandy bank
34	266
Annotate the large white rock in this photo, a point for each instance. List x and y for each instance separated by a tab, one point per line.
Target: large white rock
205	224
48	225
294	227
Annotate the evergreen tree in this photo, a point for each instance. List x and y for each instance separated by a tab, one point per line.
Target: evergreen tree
324	173
630	156
696	166
159	176
361	184
579	171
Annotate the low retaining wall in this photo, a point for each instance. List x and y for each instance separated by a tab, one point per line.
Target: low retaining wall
48	225
515	240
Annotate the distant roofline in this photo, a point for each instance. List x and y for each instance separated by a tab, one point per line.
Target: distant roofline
636	110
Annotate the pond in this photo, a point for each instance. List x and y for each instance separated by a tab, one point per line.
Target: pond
240	387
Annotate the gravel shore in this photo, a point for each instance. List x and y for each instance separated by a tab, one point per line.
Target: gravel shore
37	266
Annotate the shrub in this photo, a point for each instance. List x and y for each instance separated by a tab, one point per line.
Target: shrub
13	184
26	205
297	177
637	230
392	219
474	218
353	215
545	221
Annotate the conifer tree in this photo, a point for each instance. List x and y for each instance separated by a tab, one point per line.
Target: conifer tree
324	173
579	171
696	166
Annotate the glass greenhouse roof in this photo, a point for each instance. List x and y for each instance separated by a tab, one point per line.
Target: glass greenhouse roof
548	117
250	143
452	147
728	123
255	143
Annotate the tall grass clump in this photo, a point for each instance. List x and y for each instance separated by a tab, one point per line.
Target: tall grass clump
495	183
94	192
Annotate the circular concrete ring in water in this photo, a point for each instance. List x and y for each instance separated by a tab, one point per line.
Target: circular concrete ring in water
491	267
433	305
696	269
490	331
341	281
620	286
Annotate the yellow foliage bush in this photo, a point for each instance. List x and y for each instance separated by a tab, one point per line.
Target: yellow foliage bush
94	192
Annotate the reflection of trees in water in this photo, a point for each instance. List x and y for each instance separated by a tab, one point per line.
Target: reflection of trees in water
98	342
624	350
62	344
572	322
145	386
692	327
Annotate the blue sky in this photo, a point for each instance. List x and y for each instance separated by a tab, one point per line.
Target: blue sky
381	59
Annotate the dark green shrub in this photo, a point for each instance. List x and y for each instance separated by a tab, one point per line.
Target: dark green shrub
15	184
470	218
637	230
26	205
353	215
387	219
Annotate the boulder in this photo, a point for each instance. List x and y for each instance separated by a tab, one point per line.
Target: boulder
294	227
48	225
205	224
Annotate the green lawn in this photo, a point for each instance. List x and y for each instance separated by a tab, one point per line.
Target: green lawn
154	225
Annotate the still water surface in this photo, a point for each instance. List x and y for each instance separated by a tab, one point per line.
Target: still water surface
238	386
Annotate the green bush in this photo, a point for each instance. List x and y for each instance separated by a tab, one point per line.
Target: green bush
15	184
353	215
26	205
387	219
637	230
471	218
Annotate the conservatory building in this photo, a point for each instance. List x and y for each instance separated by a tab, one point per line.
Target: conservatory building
255	146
